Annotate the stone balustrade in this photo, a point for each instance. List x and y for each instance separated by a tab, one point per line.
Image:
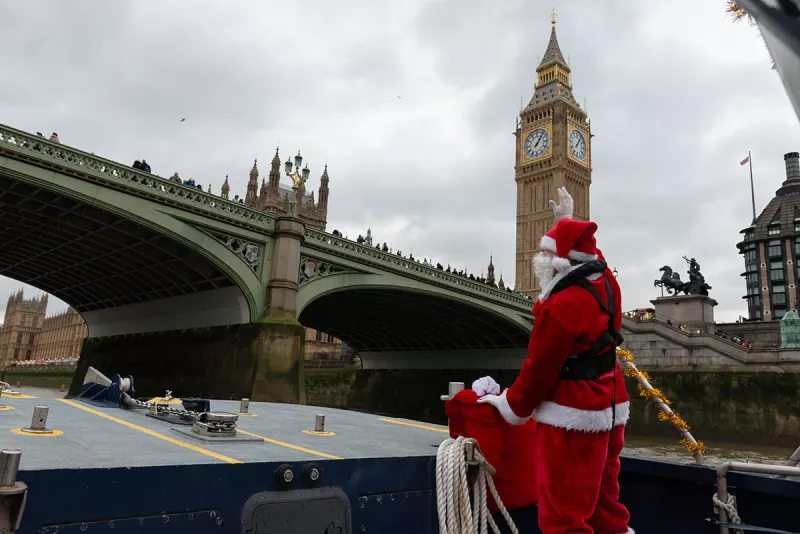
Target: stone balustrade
82	165
366	254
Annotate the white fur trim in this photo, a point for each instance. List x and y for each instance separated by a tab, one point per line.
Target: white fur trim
561	264
581	256
508	414
550	413
548	243
545	292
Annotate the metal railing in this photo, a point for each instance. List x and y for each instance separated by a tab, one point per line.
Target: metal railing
82	165
726	504
340	246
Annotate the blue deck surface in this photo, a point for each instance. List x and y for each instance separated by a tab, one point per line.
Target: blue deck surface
132	474
90	440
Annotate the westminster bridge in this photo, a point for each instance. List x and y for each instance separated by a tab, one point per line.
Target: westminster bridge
193	292
179	283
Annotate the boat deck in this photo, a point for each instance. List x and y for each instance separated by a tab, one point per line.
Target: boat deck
92	436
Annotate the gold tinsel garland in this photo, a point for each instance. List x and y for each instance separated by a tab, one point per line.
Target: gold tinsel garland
657	395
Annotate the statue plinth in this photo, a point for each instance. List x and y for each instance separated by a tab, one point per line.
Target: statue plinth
690	310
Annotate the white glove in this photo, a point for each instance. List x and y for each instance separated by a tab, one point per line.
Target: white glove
486	386
501	404
565	205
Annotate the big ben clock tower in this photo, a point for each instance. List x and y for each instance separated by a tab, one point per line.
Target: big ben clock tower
553	142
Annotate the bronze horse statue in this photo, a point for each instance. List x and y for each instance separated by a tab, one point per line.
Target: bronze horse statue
671	281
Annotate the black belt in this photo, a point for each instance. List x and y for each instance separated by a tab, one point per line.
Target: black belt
590	367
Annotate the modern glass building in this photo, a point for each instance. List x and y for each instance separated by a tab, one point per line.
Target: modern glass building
771	249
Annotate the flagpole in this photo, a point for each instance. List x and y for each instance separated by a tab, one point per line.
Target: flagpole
752	189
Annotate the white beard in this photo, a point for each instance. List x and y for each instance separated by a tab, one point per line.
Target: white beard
543	269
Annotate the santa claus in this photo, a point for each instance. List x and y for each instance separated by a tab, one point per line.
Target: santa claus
571	384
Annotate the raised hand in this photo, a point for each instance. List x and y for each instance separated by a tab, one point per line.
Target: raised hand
565	205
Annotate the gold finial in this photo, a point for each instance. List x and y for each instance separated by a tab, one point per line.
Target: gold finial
553	17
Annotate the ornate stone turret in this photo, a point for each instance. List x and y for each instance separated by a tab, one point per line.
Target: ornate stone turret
501	285
252	185
490	272
274	176
368	239
262	195
225	188
323	193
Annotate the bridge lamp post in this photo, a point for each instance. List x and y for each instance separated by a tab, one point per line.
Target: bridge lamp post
615	272
298	177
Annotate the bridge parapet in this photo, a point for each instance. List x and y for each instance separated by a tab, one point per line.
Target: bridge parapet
339	246
70	161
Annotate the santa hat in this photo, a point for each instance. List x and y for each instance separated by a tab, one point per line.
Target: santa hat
570	240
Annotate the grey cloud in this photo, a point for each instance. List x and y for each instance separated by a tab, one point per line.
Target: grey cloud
433	171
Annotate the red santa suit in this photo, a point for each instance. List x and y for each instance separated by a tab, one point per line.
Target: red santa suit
580	421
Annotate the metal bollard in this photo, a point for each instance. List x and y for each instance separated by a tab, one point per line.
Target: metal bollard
39	420
9	466
452	389
13	494
319	423
244	405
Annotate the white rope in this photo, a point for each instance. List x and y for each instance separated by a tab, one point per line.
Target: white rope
730	507
461	511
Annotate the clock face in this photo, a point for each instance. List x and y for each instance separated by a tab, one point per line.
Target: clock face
577	144
536	143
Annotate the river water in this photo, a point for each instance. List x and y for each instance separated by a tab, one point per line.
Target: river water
716	453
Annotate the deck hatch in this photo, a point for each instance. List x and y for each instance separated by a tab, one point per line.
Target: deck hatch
323	510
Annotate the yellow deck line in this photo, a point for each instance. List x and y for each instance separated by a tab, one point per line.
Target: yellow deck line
290	446
149	432
416	425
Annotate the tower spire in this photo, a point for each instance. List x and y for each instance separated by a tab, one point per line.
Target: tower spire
553	75
553	52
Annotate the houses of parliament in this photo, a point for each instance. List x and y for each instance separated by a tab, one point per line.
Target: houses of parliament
553	149
274	198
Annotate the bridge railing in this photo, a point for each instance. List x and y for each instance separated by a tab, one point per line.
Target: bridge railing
82	165
366	254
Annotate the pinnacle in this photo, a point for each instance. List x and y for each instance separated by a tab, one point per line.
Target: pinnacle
553	53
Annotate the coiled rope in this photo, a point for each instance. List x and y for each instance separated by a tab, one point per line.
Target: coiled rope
461	511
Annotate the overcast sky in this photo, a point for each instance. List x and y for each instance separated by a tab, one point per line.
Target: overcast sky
412	104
